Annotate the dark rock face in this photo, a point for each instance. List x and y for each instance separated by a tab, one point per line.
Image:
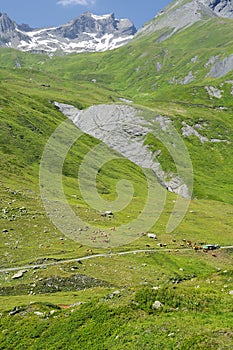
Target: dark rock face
222	8
6	24
25	27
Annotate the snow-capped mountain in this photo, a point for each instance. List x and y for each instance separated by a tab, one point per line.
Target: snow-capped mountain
87	32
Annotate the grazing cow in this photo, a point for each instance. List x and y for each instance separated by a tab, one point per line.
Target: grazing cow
151	235
197	247
107	213
63	306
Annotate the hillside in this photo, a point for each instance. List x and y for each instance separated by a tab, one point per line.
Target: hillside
66	289
176	78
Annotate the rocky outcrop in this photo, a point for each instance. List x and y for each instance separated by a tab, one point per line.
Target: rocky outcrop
213	91
188	79
123	128
222	68
188	131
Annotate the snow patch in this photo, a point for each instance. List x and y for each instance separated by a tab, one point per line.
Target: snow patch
98	18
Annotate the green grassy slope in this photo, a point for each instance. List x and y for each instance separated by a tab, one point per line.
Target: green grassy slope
131	72
133	68
196	309
193	286
28	118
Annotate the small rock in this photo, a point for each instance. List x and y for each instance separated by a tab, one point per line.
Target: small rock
157	305
77	304
22	209
155	288
38	313
116	292
19	274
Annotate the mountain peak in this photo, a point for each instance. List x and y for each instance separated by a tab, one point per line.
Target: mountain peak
88	32
6	24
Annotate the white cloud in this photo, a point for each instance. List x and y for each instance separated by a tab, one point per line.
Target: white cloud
76	2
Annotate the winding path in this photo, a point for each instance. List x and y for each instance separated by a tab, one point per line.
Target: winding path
104	255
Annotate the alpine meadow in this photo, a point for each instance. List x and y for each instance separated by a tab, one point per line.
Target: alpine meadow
116	193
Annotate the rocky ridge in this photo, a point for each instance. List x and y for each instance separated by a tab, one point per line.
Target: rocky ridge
181	14
87	32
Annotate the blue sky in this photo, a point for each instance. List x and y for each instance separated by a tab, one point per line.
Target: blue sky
46	13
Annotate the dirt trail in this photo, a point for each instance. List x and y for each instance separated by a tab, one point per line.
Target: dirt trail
94	256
